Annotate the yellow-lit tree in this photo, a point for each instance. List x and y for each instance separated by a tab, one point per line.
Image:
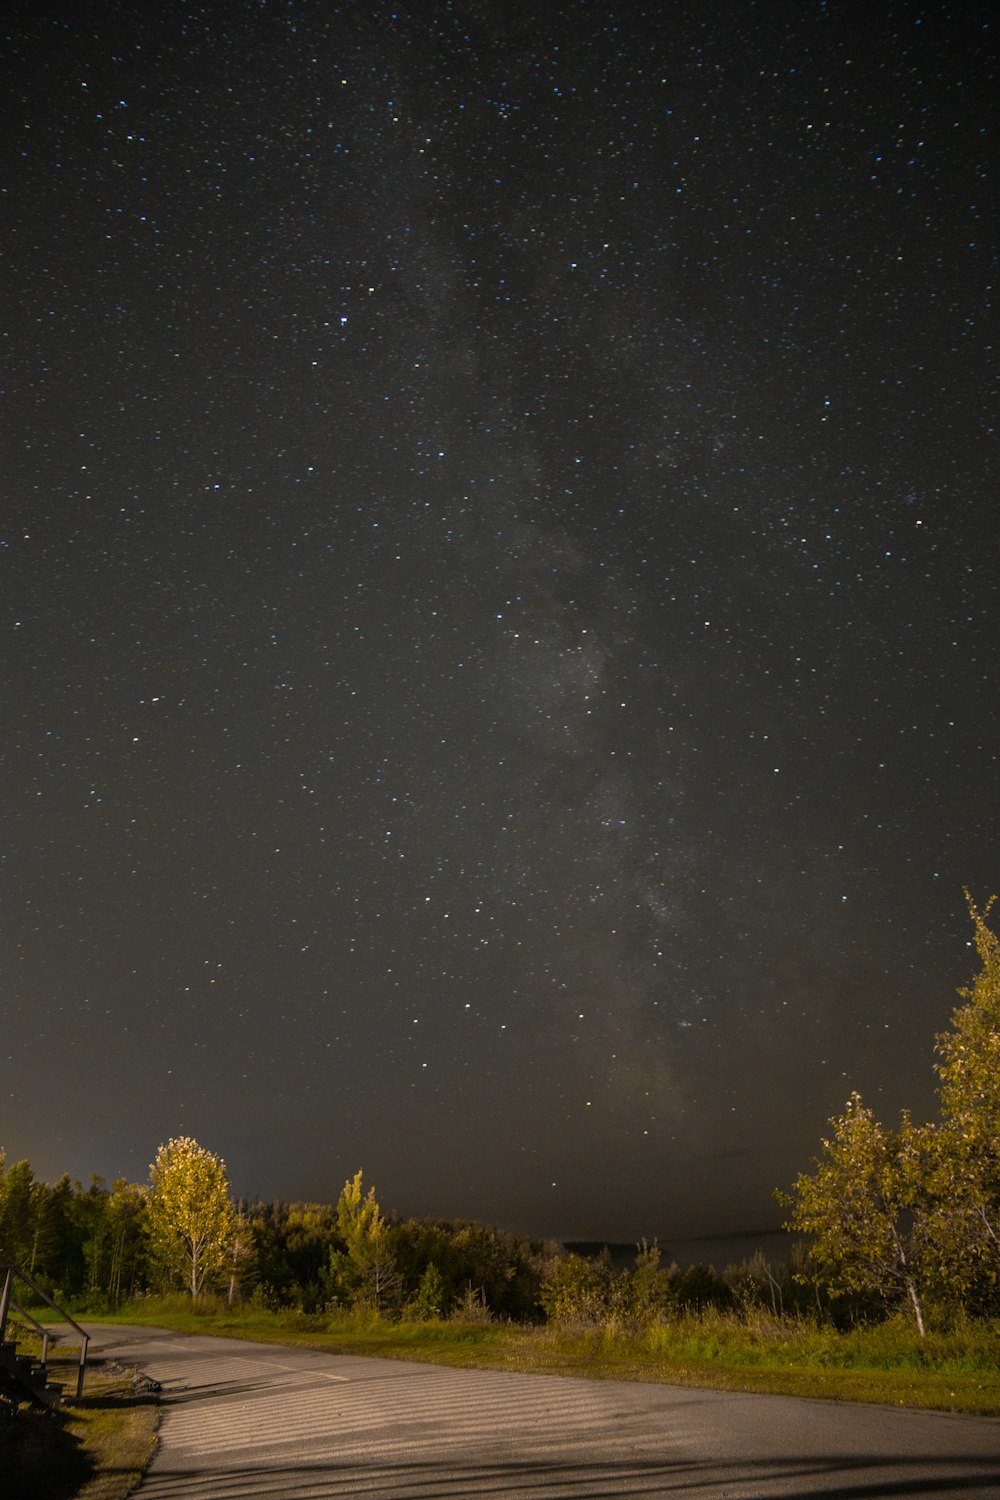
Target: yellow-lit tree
366	1274
964	1226
862	1208
191	1218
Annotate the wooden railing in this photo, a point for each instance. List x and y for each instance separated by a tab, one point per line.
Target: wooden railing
9	1274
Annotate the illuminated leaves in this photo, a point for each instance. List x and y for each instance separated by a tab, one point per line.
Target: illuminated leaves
191	1217
965	1226
861	1207
366	1274
918	1209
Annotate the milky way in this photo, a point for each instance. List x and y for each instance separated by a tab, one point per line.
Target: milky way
499	665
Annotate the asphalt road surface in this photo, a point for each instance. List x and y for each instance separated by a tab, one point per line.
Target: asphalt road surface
262	1421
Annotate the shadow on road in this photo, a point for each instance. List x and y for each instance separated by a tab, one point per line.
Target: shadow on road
834	1478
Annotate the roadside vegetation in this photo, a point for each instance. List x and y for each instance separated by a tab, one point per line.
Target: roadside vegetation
891	1293
742	1349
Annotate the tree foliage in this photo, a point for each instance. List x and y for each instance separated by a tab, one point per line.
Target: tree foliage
965	1223
861	1207
97	1247
916	1211
18	1216
191	1218
578	1290
364	1272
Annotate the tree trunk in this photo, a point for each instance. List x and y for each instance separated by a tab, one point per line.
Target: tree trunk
918	1310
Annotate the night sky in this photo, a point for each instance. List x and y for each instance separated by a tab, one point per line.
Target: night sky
498	583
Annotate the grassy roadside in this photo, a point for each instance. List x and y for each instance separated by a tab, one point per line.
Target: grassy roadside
96	1448
955	1372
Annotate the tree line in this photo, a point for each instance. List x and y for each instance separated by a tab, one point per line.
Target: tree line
907	1216
101	1246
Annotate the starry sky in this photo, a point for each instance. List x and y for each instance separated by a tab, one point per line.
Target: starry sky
498	590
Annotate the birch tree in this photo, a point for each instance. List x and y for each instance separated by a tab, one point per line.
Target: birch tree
965	1221
863	1208
190	1214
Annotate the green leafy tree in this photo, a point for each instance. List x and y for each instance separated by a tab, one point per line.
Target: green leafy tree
364	1272
865	1209
419	1243
577	1291
111	1227
57	1254
431	1295
128	1240
272	1270
308	1229
648	1289
18	1215
90	1211
755	1284
506	1268
240	1259
964	1226
191	1218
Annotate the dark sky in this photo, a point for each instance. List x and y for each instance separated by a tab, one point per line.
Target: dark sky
498	582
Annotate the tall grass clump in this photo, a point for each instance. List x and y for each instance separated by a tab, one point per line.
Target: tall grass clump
716	1337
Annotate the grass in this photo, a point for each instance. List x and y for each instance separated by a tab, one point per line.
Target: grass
96	1448
885	1364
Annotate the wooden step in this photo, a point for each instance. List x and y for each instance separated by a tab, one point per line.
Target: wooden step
30	1375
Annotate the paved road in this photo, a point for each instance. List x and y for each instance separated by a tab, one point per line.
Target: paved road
261	1421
